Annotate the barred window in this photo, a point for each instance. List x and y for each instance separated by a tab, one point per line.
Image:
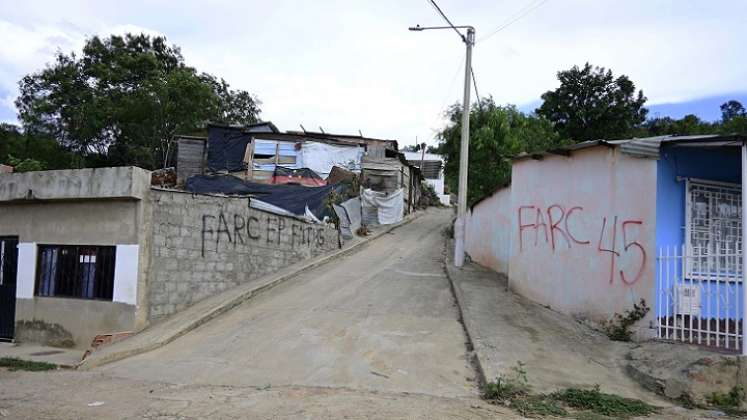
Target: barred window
77	271
714	229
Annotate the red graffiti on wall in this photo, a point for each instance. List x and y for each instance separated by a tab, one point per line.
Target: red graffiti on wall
557	231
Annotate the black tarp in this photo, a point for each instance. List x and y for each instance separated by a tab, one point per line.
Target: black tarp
291	197
226	148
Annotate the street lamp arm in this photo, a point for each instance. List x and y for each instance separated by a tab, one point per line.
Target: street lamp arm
425	28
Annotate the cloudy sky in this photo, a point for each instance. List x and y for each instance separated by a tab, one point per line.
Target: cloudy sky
350	65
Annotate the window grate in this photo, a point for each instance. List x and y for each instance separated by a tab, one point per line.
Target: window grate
714	228
85	272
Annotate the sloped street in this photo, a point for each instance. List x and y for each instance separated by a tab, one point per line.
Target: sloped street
374	335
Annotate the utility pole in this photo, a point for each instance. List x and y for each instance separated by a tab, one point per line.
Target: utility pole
459	226
744	249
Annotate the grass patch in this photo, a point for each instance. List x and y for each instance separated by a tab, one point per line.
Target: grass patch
513	390
506	388
537	405
730	402
605	404
14	364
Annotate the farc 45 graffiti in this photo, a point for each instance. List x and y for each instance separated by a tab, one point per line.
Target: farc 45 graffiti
615	237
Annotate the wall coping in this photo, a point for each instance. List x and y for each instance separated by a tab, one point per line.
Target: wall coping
124	182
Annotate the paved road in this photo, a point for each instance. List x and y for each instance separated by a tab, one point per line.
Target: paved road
381	319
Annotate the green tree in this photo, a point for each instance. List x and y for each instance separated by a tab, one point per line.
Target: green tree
123	100
16	145
497	134
688	125
732	109
592	104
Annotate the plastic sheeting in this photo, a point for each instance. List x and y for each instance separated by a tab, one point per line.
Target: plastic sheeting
226	148
321	157
303	176
388	208
296	199
349	214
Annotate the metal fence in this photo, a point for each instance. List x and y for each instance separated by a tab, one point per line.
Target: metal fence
699	297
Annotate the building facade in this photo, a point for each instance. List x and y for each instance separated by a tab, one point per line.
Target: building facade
99	251
594	228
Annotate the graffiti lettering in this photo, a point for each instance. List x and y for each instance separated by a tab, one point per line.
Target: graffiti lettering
612	251
216	229
627	245
554	225
568	231
252	234
558	225
523	226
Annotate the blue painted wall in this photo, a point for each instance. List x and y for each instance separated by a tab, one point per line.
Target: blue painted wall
711	164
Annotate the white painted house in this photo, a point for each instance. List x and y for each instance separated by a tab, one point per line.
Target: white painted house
433	172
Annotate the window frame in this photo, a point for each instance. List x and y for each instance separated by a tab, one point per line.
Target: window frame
84	282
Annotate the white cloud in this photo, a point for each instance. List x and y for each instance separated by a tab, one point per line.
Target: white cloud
353	65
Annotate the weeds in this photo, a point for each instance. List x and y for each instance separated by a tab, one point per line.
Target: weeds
14	364
618	328
505	388
605	404
730	402
514	391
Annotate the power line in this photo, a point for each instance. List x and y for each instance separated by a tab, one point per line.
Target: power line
448	93
474	82
516	17
443	15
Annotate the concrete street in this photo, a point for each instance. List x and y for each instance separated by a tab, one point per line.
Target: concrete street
373	335
380	319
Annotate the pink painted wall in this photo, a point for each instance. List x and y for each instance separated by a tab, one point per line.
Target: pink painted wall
577	232
488	231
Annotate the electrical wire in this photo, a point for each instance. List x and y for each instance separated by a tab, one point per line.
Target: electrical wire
443	15
519	15
474	82
440	114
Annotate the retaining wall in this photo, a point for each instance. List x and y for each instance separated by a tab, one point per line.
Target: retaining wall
203	245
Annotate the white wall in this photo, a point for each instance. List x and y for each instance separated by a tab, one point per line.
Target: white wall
26	277
125	274
488	231
564	217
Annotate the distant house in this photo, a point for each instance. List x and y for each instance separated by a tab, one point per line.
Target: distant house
593	228
261	154
254	152
433	171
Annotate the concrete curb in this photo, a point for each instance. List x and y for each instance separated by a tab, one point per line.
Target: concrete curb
465	321
168	330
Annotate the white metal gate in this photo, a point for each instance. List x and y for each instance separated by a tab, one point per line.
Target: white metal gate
699	297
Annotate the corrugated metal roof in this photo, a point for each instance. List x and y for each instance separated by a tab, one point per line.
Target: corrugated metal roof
646	147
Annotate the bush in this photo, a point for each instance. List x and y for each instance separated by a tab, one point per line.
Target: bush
618	328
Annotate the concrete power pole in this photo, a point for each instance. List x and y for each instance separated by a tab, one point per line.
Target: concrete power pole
469	41
459	227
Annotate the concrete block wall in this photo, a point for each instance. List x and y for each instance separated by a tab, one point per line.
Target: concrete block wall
203	245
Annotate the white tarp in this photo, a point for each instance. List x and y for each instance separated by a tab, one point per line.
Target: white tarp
321	157
349	214
388	208
271	208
